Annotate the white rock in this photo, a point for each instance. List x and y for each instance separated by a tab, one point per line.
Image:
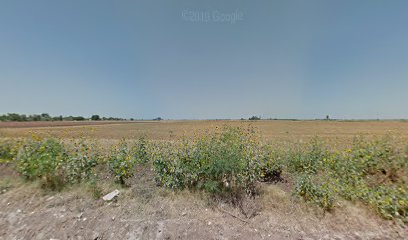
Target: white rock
111	195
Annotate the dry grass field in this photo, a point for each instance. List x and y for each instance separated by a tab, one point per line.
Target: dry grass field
335	132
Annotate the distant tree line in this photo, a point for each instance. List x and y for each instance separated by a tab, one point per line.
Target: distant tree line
254	118
15	117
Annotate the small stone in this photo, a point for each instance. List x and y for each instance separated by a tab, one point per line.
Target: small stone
209	223
18	210
183	214
113	218
111	195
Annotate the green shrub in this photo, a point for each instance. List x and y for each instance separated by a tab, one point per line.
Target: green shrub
391	202
271	164
370	171
9	149
141	150
55	164
373	172
301	159
122	162
372	157
219	162
5	149
168	170
317	193
81	161
42	159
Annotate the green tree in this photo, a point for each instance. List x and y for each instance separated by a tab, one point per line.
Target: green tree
45	117
79	118
95	118
255	118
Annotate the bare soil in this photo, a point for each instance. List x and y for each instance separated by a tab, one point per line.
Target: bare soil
145	211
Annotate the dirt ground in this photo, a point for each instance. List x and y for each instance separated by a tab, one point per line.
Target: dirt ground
145	211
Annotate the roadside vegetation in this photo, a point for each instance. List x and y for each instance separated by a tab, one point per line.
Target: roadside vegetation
227	163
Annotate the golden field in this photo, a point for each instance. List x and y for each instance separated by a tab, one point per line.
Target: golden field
337	133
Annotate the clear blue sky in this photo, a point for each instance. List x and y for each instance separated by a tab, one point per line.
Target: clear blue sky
188	59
